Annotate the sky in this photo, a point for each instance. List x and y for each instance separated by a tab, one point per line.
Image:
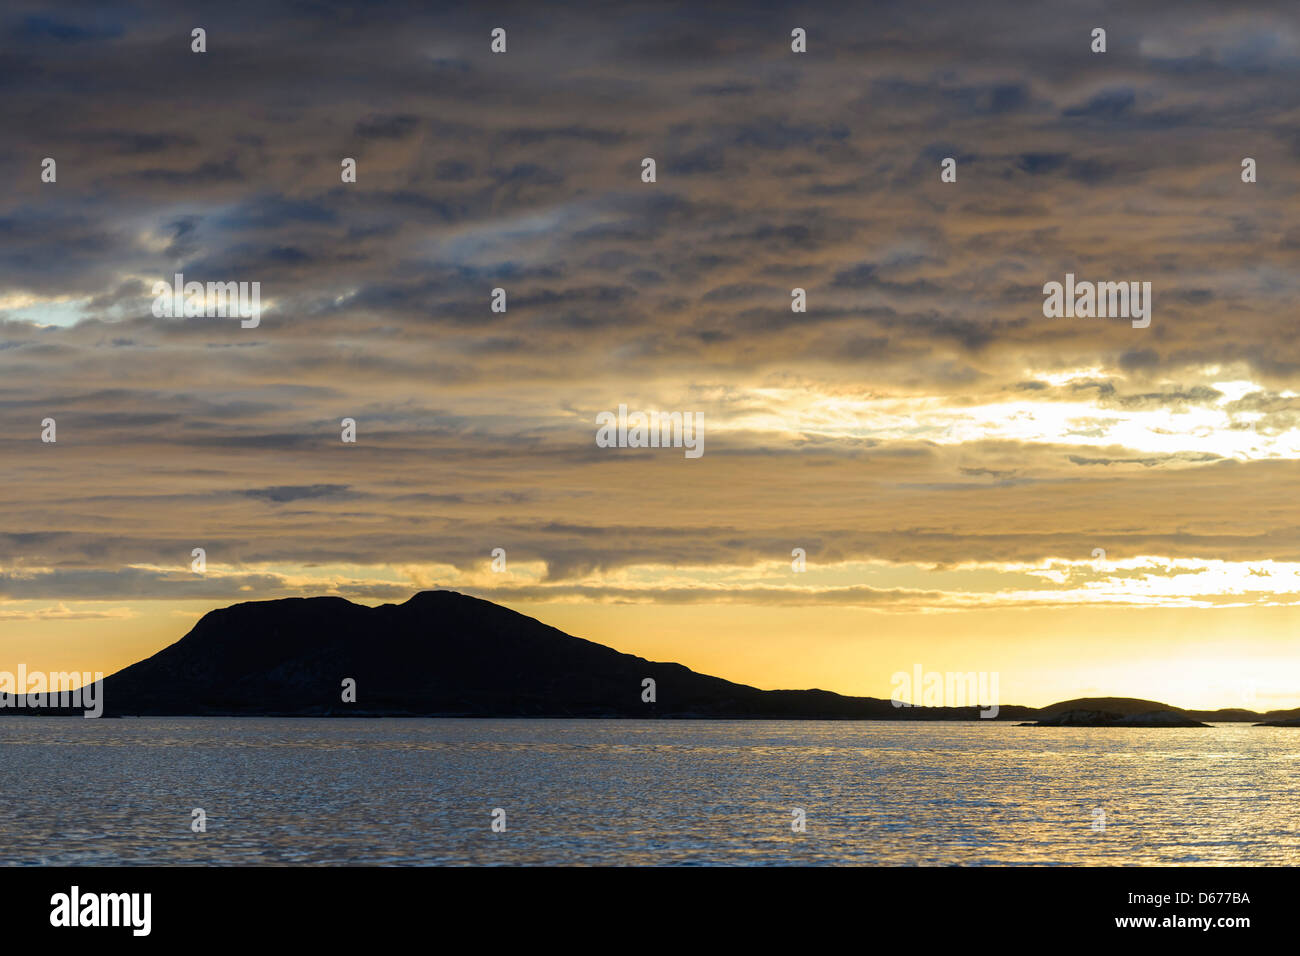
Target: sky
1083	506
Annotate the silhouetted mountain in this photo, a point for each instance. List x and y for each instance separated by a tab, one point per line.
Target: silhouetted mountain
446	654
440	653
1122	706
1280	715
1223	715
1133	706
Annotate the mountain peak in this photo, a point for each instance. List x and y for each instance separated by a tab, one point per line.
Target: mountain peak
442	653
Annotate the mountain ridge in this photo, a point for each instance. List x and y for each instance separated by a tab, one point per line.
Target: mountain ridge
443	653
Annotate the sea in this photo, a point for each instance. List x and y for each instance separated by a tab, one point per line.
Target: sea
257	791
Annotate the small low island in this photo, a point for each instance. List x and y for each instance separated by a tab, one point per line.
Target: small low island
1103	718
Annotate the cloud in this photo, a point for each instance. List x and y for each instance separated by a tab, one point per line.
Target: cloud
922	409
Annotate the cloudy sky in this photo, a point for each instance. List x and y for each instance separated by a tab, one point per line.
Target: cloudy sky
1083	506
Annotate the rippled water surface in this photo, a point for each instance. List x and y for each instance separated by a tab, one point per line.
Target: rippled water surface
278	791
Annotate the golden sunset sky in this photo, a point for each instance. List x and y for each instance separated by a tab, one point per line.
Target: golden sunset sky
1085	507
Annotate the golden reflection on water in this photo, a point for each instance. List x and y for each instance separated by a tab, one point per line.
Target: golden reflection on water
286	791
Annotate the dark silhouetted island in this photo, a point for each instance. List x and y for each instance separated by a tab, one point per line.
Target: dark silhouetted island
440	654
1105	718
445	654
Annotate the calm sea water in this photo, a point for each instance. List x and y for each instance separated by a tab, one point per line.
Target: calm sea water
75	791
